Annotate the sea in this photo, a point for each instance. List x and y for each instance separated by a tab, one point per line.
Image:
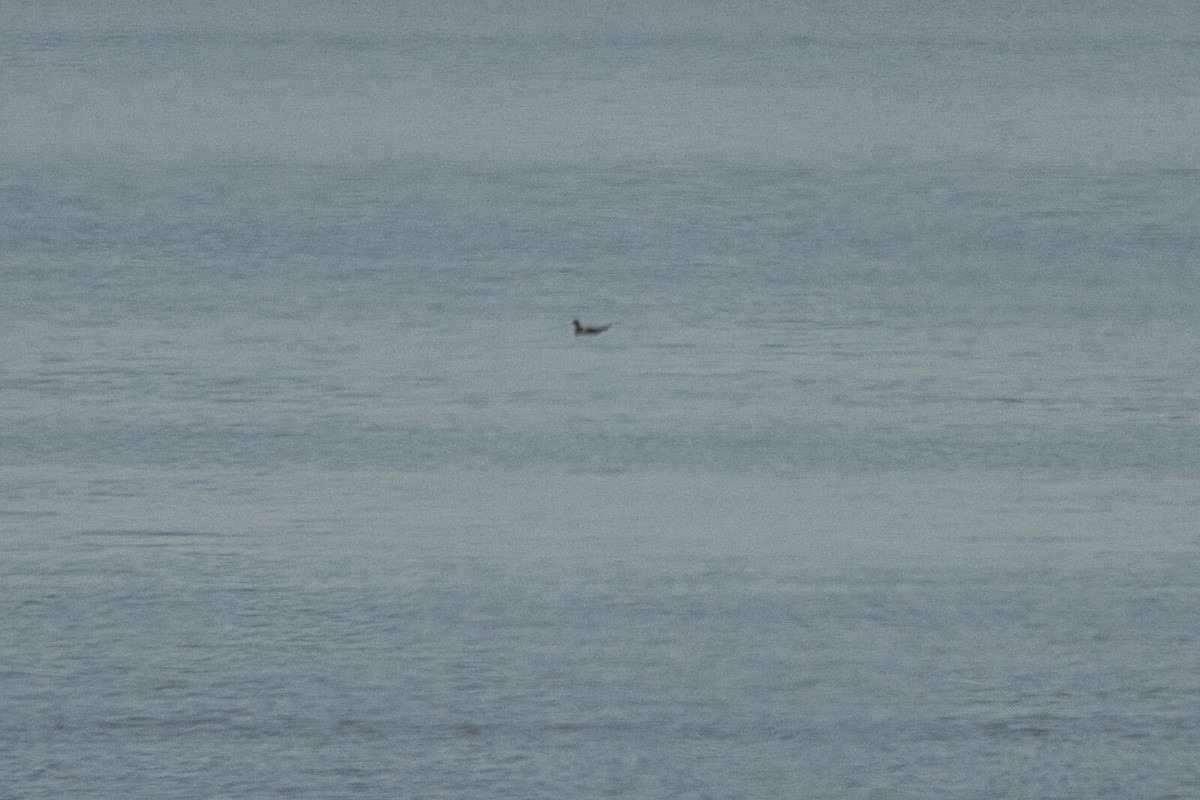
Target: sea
884	483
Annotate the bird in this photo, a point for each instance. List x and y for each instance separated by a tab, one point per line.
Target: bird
589	330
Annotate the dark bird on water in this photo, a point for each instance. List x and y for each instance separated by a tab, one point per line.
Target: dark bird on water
589	330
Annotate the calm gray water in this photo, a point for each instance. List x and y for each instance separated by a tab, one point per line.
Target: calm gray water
883	483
